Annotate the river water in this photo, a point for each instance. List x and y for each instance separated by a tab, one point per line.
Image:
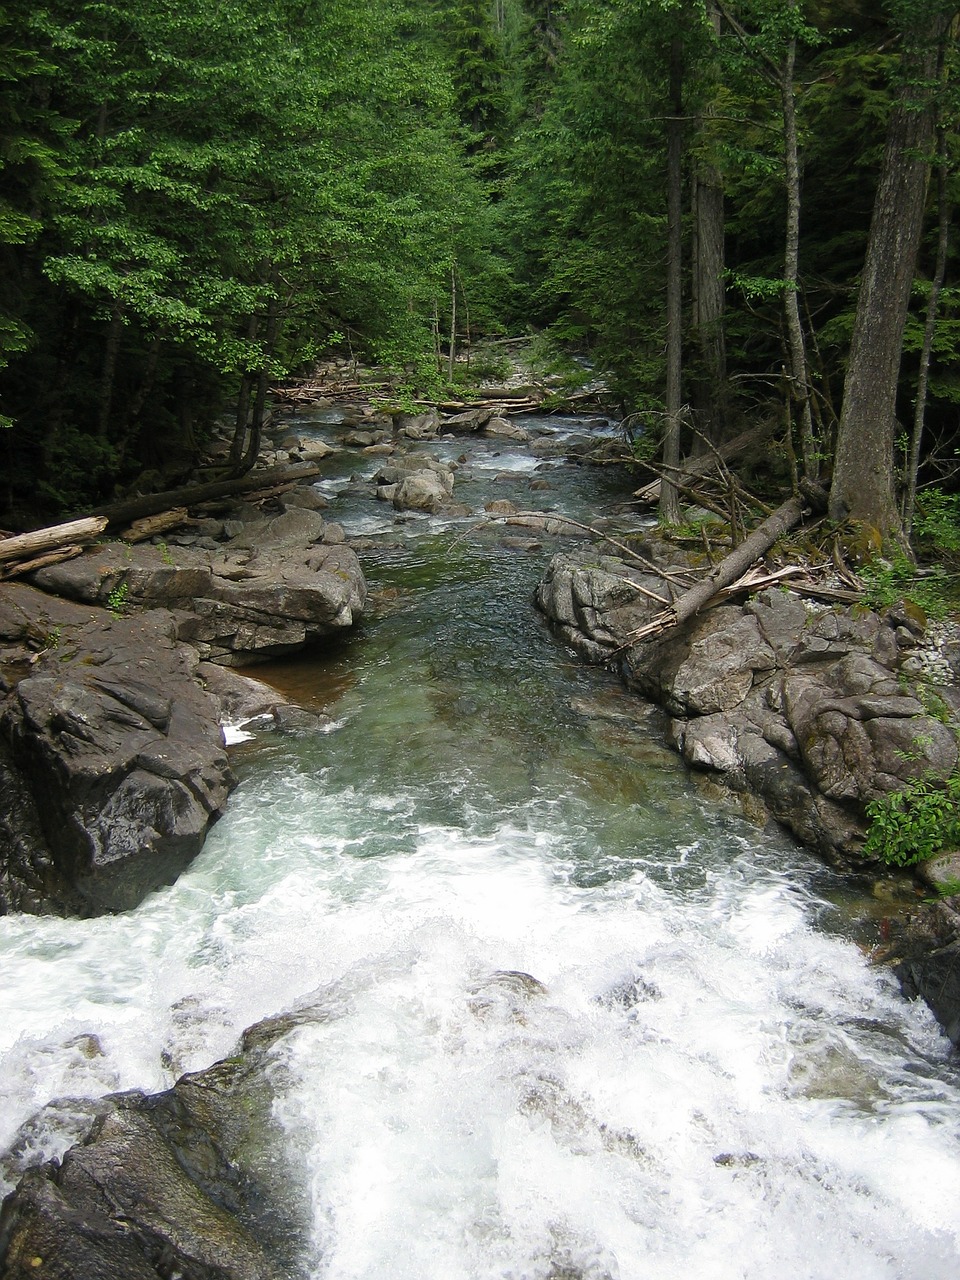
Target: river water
580	1020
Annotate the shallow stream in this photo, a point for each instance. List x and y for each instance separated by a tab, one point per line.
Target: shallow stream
584	1022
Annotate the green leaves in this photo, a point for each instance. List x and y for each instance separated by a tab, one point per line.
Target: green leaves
915	824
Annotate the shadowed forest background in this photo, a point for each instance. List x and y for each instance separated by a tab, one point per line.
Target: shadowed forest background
739	212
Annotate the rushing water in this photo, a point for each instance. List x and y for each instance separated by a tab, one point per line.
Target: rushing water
579	1022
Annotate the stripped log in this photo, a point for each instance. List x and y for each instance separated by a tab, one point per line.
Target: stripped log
730	569
149	526
40	562
25	545
189	495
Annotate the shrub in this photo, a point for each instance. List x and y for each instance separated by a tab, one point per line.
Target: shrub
915	824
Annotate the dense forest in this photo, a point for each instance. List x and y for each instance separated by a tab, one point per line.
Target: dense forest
737	210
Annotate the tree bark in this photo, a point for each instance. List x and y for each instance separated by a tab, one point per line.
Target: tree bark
799	373
709	391
669	499
863	474
929	329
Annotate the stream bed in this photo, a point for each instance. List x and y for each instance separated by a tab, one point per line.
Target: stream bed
581	1021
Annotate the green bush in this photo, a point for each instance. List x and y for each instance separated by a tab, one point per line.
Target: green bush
915	824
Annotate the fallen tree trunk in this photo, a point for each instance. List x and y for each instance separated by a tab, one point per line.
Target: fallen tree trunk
25	545
705	462
140	530
730	568
40	562
188	495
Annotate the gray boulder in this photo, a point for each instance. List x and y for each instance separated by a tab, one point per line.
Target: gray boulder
113	767
192	1182
279	584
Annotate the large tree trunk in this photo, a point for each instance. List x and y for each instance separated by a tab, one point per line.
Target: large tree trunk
863	473
669	499
709	390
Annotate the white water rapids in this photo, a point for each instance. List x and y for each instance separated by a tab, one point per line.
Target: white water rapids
577	1023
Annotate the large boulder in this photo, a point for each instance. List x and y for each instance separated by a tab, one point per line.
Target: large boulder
281	583
112	765
193	1182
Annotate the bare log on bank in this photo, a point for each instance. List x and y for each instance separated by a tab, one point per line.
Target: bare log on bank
730	569
40	562
149	526
150	504
27	545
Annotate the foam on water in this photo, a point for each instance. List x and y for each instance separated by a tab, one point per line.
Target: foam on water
517	1075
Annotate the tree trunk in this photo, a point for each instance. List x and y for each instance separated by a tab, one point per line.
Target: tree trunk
669	511
709	392
189	495
799	374
929	330
452	355
863	474
31	544
108	374
730	568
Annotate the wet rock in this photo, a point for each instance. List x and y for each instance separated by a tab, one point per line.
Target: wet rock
115	759
466	423
808	708
191	1182
503	429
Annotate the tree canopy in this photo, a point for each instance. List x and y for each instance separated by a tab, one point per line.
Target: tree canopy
197	202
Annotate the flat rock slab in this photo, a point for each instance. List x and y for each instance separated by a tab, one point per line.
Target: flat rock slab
280	584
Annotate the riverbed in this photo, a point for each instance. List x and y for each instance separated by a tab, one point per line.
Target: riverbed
581	1020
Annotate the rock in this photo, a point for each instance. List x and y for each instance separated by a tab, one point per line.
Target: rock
423	426
421	491
316	451
501	507
505	430
465	423
304	496
191	1182
115	753
809	708
929	963
271	590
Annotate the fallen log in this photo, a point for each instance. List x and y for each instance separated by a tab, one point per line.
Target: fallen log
140	530
25	545
189	495
730	569
40	562
704	463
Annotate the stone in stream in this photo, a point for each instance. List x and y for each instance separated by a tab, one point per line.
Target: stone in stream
195	1181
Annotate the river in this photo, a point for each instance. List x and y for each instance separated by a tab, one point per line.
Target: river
582	1021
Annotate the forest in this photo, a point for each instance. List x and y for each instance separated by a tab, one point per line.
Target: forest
738	211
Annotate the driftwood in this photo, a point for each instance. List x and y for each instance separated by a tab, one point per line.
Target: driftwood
140	530
40	562
151	503
26	545
730	569
705	462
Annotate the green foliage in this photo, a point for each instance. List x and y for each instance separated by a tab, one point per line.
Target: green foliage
886	581
117	600
937	519
915	824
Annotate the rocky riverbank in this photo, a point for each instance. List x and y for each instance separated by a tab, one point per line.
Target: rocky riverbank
812	710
